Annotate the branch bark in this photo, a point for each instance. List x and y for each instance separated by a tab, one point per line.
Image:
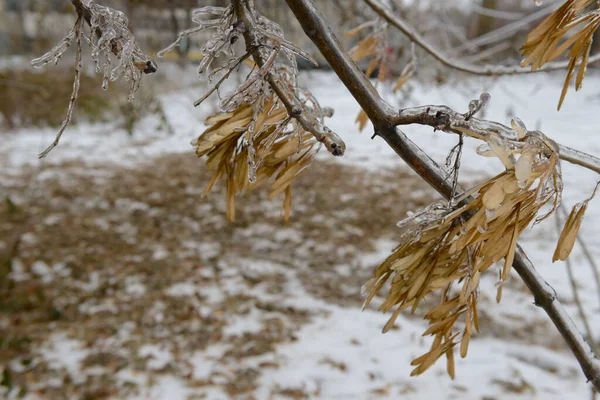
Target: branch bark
317	29
83	11
488	70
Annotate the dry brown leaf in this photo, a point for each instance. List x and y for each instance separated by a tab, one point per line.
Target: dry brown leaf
568	236
405	76
281	150
459	244
580	19
365	48
362	119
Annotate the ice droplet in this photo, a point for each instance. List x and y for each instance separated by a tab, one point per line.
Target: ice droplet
484	99
473	105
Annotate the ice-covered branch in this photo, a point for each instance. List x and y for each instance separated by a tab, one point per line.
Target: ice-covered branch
85	9
76	84
445	119
109	38
384	121
334	144
487	70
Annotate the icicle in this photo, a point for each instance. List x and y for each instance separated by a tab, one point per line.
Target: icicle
57	51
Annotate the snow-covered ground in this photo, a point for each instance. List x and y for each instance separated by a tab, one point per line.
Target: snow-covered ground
339	352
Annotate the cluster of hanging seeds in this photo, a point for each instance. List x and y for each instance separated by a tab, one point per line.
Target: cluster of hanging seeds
571	27
254	139
446	247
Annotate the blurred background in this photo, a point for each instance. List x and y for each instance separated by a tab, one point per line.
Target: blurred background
120	280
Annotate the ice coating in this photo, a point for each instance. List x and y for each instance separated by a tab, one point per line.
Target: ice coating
109	38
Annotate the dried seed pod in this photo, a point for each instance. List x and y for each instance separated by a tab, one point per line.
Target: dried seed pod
550	39
256	145
568	236
444	244
524	168
569	233
494	196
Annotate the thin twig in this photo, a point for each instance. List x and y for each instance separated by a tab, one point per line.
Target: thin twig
216	86
258	75
487	70
74	93
318	30
590	259
458	149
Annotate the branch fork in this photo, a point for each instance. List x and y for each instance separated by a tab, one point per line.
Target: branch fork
385	121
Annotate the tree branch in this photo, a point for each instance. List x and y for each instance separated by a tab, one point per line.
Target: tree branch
487	70
334	144
445	119
317	29
83	10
